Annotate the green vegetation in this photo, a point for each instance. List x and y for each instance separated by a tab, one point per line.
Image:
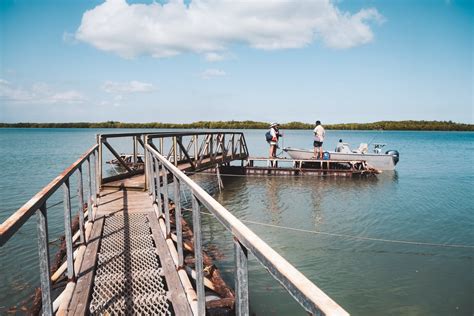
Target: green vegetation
382	125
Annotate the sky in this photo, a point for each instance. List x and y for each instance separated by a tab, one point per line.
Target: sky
336	61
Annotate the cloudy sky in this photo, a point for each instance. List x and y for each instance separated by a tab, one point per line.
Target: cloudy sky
143	61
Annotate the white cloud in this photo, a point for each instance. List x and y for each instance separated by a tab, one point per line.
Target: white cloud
210	73
127	87
209	27
212	57
38	93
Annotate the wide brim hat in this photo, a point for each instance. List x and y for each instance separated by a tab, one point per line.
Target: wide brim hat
274	124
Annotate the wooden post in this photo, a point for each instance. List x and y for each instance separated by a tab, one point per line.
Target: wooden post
43	251
166	201
67	230
177	219
80	200
198	256
89	184
241	279
219	179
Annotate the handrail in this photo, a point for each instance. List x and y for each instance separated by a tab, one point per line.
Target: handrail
158	134
38	205
306	293
178	150
12	224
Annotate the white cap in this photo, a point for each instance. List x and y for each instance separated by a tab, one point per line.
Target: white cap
274	124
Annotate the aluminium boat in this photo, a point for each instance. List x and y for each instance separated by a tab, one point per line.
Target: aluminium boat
375	159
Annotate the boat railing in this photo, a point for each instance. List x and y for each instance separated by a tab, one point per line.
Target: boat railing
159	172
86	195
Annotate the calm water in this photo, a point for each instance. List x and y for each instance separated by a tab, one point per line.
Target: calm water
428	199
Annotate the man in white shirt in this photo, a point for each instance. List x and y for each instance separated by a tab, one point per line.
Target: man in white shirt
319	134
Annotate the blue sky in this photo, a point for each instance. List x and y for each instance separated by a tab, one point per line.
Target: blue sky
140	61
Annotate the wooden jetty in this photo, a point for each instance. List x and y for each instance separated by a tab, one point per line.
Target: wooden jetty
128	255
260	166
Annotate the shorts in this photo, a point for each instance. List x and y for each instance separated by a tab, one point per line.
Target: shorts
273	143
317	144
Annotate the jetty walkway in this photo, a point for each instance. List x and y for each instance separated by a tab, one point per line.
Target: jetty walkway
133	251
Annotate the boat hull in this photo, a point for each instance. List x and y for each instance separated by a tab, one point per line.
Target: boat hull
377	161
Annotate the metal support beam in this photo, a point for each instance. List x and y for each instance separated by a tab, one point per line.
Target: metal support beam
43	251
177	217
164	173
98	165
135	149
89	184
67	230
119	159
241	279
158	187
98	174
80	200
198	256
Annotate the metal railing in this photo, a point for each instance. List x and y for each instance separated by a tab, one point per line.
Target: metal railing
158	169
38	205
198	150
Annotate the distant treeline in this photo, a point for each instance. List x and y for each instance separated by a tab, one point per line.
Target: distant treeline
382	125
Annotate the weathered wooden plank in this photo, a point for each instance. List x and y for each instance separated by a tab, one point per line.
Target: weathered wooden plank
80	298
176	291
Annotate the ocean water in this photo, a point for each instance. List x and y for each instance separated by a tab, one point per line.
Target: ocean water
428	199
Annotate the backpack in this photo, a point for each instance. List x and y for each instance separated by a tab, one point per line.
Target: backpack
268	136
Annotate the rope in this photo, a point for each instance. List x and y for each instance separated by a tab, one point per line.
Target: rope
406	242
282	146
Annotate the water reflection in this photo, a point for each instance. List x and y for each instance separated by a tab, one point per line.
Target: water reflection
272	193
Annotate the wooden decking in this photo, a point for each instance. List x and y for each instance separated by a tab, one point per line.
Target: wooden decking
127	266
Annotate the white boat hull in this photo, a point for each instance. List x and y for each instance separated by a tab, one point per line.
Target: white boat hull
377	161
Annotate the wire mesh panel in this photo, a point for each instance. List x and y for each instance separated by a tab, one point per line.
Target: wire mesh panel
128	278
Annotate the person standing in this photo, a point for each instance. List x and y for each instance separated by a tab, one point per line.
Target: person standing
275	135
319	134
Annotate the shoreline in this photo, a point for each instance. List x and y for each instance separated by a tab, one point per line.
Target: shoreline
374	126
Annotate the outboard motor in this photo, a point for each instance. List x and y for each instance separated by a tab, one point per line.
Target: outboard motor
395	155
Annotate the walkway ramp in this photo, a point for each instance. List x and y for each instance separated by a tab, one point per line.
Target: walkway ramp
120	258
128	277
